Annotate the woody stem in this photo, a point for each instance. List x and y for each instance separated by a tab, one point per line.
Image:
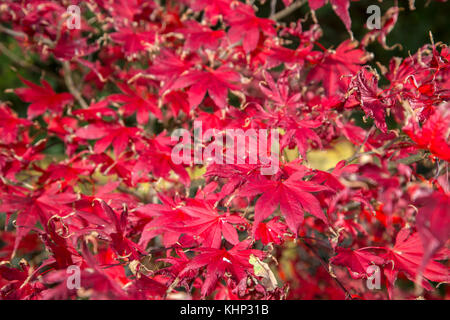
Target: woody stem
325	266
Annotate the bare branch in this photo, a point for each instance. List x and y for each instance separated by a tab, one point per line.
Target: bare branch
288	10
16	60
12	32
325	266
71	86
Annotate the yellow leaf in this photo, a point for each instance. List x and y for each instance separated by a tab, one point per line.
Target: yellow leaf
196	172
327	159
261	269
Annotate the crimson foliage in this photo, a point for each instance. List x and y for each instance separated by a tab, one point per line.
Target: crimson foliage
139	225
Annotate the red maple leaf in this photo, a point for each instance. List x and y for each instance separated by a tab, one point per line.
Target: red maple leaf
270	232
216	82
406	257
213	10
10	124
247	26
133	41
279	92
339	6
118	136
433	135
117	231
168	66
142	102
388	22
96	111
210	225
218	261
368	94
155	156
42	98
36	206
433	223
345	61
356	261
163	219
200	36
300	131
293	195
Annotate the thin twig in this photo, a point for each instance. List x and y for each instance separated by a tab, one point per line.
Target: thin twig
288	10
20	34
21	62
325	266
13	32
273	7
385	147
71	86
16	60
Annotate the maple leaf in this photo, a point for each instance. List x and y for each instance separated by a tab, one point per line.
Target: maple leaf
433	135
10	124
215	82
99	72
331	179
92	176
366	85
270	232
68	48
211	225
64	253
388	22
107	260
339	6
236	175
316	4
96	111
18	286
168	66
246	26
345	61
353	133
133	41
71	173
120	243
200	36
42	98
291	58
146	288
356	261
293	195
155	156
163	219
433	221
118	136
122	165
127	10
279	93
141	102
35	207
213	10
177	101
218	261
301	132
406	257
